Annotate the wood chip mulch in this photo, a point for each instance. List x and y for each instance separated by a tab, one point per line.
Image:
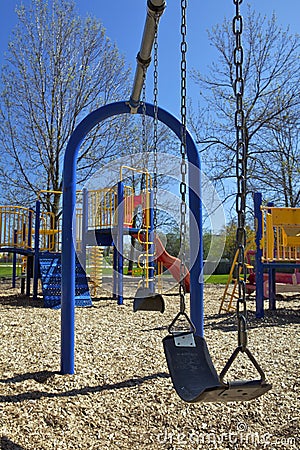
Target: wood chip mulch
121	396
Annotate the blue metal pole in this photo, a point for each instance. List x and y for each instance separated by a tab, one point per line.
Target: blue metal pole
68	259
68	249
30	258
120	241
196	242
272	277
259	270
115	268
14	268
272	288
36	248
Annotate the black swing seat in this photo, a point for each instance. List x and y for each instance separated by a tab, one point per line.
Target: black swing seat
195	378
145	300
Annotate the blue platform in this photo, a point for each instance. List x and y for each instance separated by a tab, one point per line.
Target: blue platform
106	236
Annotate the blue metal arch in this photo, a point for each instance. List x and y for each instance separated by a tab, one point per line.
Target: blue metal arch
69	201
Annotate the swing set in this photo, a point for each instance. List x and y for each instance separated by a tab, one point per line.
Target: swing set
191	368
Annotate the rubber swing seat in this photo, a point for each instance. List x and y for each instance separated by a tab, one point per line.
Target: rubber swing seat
145	300
195	378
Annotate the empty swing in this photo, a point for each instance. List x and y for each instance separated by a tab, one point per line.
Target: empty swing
193	374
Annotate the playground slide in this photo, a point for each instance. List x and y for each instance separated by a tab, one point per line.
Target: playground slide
171	263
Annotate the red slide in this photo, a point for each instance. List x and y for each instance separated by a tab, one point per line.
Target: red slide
171	263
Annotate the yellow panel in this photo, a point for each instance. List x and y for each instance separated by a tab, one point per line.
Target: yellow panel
284	237
286	216
292	241
270	236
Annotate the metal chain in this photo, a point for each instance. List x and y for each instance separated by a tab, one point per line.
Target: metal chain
155	123
241	174
144	139
155	126
144	150
183	167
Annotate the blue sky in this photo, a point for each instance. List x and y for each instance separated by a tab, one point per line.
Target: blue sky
124	22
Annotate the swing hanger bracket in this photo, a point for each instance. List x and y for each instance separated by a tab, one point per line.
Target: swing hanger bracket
189	327
233	357
155	9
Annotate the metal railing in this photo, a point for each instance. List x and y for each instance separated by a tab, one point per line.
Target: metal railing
16	227
280	234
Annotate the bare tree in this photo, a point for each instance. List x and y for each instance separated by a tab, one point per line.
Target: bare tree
271	94
278	175
59	67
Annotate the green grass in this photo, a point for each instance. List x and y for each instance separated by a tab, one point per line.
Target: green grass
6	270
212	279
217	279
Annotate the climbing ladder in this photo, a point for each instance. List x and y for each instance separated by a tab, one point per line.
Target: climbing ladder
159	277
231	290
96	268
50	272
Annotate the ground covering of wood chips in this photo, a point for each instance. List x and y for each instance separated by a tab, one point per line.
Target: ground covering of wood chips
121	396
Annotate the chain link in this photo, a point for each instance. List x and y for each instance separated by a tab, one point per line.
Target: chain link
155	126
144	138
241	174
155	123
144	150
183	167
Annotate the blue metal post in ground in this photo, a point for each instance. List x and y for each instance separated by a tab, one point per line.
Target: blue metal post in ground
29	259
115	268
36	249
14	265
68	255
272	277
259	272
272	288
120	242
68	248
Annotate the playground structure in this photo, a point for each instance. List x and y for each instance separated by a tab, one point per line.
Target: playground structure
108	215
276	247
193	374
103	218
32	233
